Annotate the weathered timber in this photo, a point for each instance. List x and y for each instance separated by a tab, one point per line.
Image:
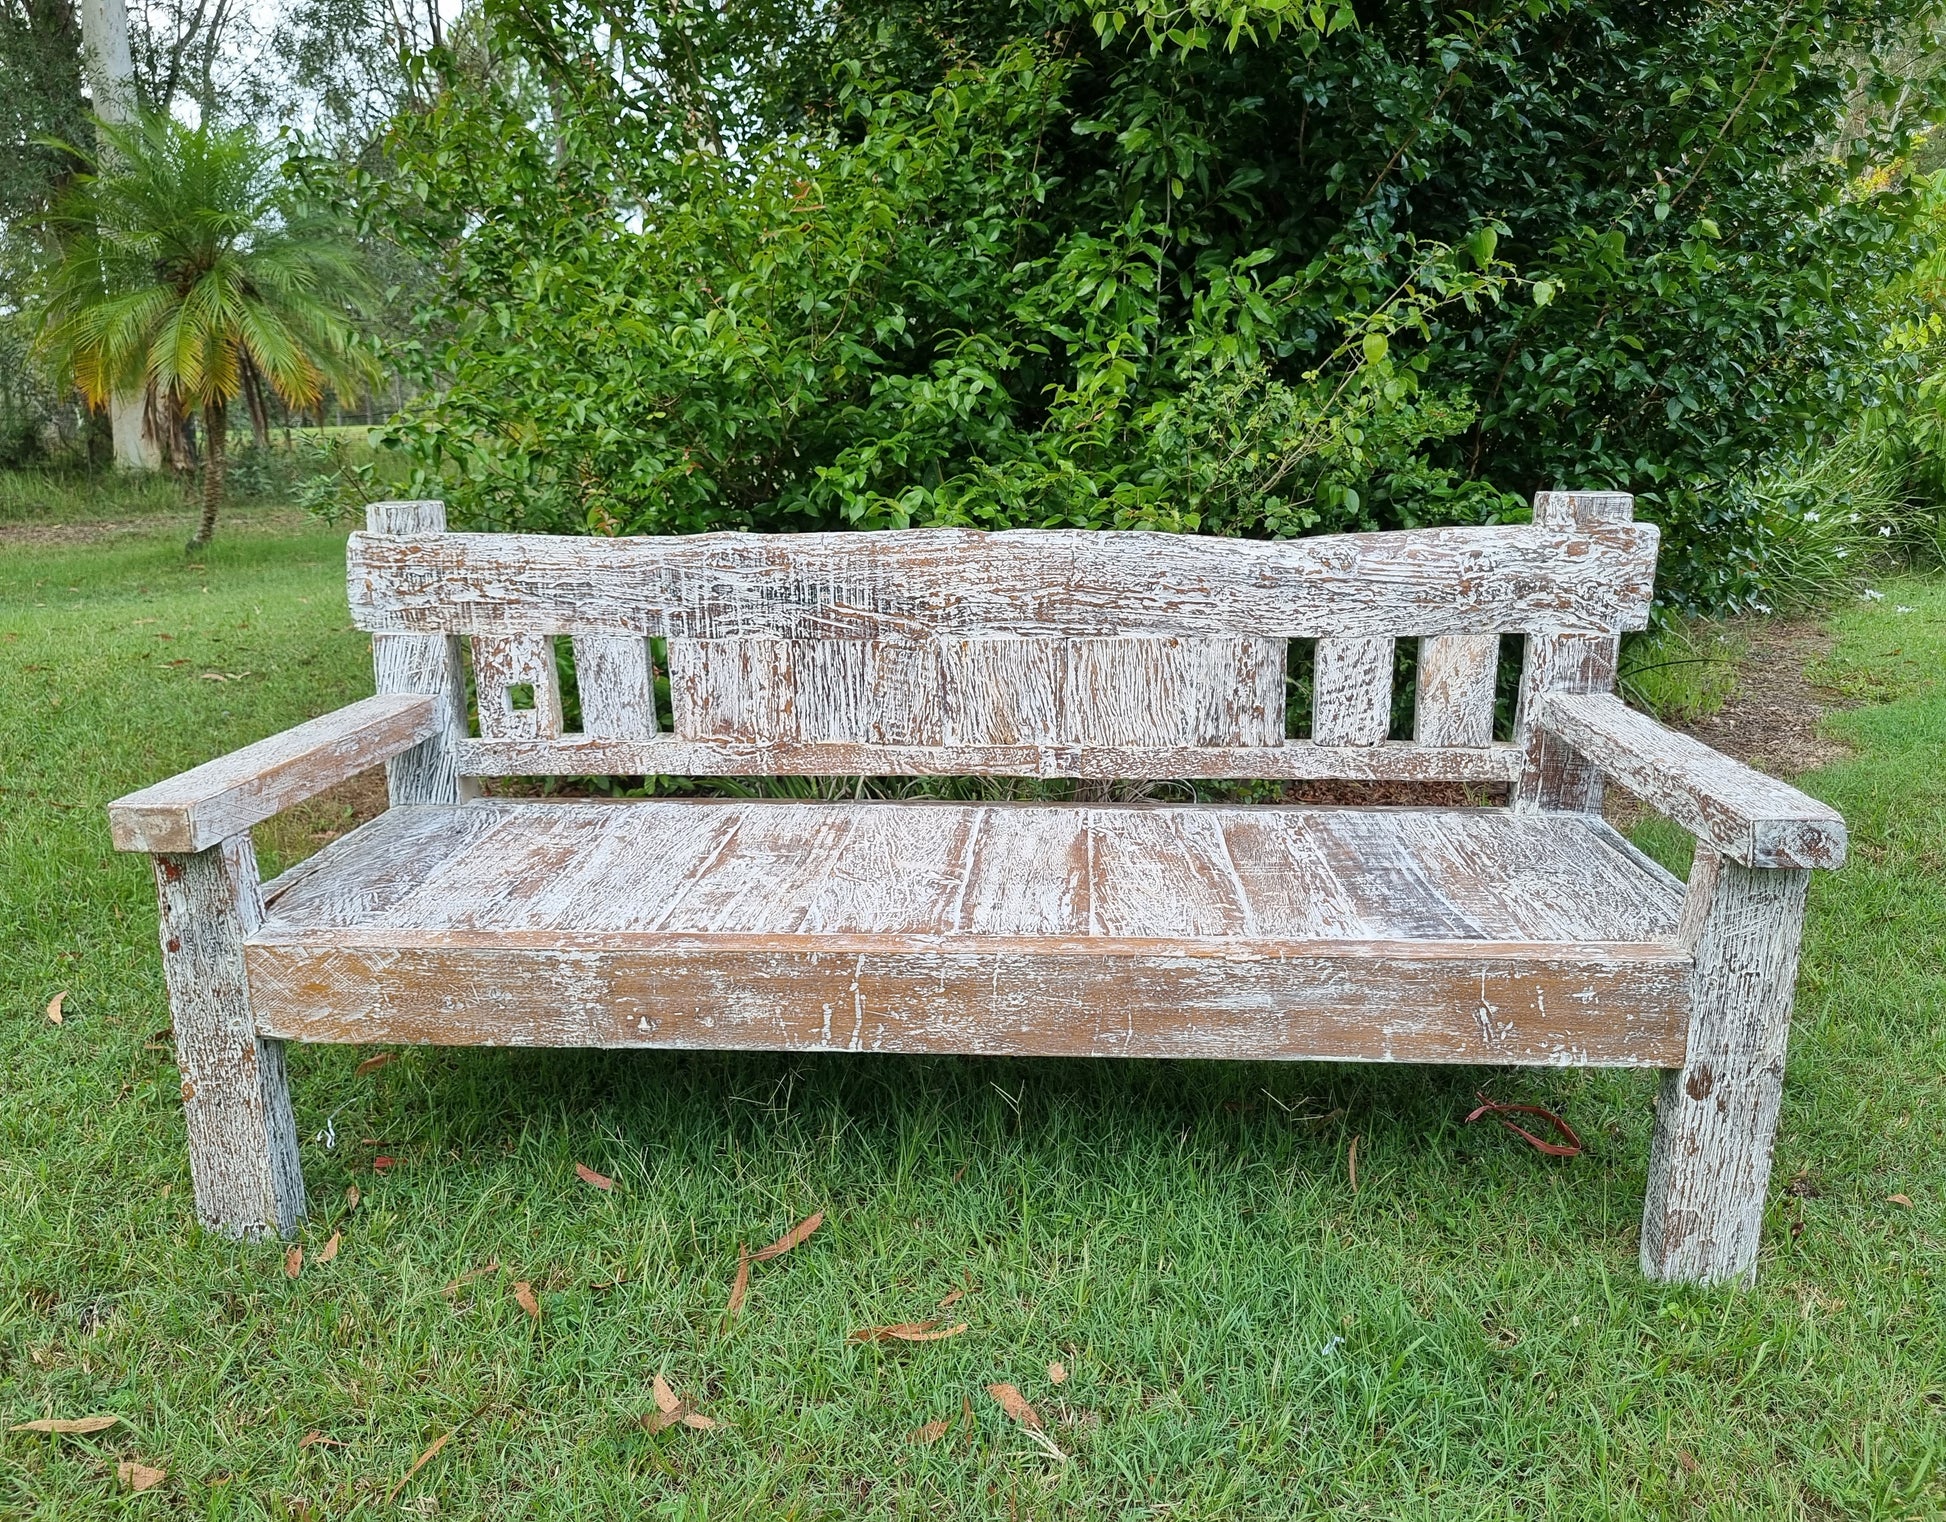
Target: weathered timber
616	683
920	585
1351	691
243	1157
1754	820
1453	704
1716	1115
675	756
1595	1006
1553	775
210	803
502	663
422	663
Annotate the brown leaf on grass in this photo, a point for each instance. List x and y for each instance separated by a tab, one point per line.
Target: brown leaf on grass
1901	1200
741	1286
910	1331
793	1238
524	1298
470	1275
353	1194
1014	1404
293	1261
1057	1373
1351	1162
373	1064
953	1297
316	1439
54	1004
139	1477
669	1410
960	1172
330	1249
78	1426
932	1432
381	1163
420	1463
589	1176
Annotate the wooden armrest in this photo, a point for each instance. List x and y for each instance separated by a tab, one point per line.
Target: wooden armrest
224	797
1740	813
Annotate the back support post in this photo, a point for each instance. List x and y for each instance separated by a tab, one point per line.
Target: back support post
235	1097
422	663
1552	776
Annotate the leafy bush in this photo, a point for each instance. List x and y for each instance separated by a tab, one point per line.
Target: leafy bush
1248	270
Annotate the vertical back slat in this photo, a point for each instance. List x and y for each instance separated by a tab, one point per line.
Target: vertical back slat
516	660
1454	701
1173	692
616	681
728	689
1002	691
869	691
1352	691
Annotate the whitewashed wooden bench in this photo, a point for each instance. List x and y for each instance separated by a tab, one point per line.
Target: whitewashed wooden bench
1525	934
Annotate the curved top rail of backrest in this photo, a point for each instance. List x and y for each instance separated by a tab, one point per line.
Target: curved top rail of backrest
1570	574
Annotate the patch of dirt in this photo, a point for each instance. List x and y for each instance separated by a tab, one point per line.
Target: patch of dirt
268	520
1771	720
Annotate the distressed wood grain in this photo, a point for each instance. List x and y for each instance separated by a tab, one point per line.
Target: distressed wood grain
1453	702
674	756
1716	1115
243	1158
1553	775
615	681
422	663
208	804
1752	819
1351	686
927	584
504	662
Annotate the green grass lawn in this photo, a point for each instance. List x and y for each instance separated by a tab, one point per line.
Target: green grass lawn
1465	1334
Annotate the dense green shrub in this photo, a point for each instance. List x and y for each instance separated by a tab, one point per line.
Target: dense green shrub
1250	270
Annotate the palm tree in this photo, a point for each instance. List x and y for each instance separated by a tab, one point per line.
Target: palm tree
187	273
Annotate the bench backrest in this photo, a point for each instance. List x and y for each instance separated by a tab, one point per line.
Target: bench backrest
1026	652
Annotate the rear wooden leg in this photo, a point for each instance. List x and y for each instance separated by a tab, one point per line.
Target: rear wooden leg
235	1097
1716	1118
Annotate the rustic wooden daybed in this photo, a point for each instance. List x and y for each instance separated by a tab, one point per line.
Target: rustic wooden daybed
1526	934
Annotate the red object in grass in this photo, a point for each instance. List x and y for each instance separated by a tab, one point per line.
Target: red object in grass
1552	1149
381	1163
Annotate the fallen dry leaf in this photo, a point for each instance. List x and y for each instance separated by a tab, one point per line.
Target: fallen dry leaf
139	1477
1351	1163
373	1064
54	1007
589	1176
470	1275
669	1410
741	1286
953	1297
293	1262
1899	1199
932	1432
316	1439
330	1249
380	1164
420	1463
524	1298
76	1425
910	1331
1014	1404
1057	1373
353	1194
792	1238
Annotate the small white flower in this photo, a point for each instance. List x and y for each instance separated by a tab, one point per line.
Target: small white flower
1902	608
1853	518
1841	554
1868	593
1810	517
1886	532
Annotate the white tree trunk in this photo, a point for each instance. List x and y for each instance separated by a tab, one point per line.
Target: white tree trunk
111	81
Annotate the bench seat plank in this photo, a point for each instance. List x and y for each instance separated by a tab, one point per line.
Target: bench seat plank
1409	934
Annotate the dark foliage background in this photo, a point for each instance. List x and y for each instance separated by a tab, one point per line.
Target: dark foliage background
1242	267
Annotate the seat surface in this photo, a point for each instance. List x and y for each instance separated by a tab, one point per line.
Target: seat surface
652	921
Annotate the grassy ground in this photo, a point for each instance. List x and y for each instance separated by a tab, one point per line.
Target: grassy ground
1464	1334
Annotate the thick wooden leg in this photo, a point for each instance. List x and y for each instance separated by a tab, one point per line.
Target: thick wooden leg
1716	1118
235	1097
